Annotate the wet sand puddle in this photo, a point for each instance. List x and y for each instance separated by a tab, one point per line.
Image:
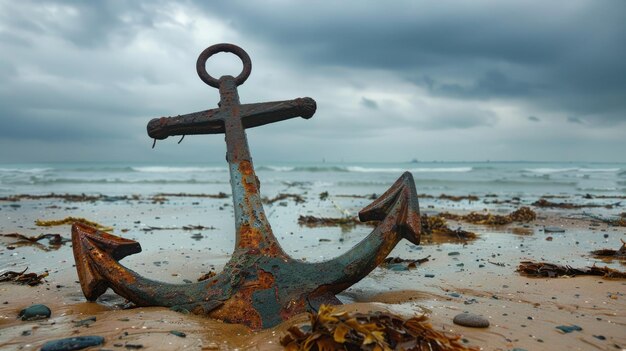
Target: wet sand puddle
476	276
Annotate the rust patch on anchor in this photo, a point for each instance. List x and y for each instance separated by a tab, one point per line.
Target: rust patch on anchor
239	308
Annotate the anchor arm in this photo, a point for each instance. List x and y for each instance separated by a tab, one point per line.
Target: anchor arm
96	254
398	209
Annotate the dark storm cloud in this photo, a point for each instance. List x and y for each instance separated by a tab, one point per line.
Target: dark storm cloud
369	103
96	70
534	119
561	56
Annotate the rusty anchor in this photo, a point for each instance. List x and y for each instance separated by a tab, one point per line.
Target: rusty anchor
261	285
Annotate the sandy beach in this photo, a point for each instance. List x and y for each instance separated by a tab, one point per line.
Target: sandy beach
186	235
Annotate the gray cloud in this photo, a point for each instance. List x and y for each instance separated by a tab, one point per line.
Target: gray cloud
98	71
534	119
369	103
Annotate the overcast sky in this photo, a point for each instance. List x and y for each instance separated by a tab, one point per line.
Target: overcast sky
393	80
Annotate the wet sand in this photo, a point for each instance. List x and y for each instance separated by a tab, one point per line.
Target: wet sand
478	276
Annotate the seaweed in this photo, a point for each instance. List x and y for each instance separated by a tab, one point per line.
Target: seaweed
295	197
552	270
620	221
568	206
436	226
458	198
394	263
23	278
54	240
609	253
330	330
312	221
71	220
220	195
523	214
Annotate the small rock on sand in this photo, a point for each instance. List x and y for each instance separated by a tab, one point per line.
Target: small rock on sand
34	312
471	320
69	344
553	230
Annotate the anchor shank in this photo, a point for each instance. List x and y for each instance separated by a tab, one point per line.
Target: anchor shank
252	227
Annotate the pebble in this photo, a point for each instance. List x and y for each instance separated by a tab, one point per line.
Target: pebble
471	320
429	275
35	312
568	328
178	333
75	343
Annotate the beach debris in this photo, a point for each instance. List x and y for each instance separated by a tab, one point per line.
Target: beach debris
219	195
568	328
330	330
619	221
31	279
178	333
66	197
261	285
458	198
569	206
53	239
553	230
312	221
85	322
35	312
552	270
70	220
73	343
620	253
523	214
373	196
435	229
295	197
471	320
402	264
324	195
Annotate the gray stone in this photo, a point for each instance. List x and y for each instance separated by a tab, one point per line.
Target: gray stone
35	312
471	320
75	343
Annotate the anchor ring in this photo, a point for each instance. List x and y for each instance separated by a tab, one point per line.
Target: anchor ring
214	49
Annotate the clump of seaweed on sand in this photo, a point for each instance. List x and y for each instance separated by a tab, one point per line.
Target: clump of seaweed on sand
54	240
23	278
71	220
552	270
620	221
610	253
330	330
523	214
567	205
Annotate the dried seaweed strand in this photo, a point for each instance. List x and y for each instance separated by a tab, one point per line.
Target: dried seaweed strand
23	278
70	220
552	270
523	214
621	253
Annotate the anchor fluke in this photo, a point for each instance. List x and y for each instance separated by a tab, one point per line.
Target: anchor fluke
93	246
399	202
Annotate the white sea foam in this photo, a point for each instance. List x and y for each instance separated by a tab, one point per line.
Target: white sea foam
159	169
413	170
571	170
24	170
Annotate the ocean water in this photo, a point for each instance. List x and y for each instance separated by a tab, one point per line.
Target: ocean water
520	179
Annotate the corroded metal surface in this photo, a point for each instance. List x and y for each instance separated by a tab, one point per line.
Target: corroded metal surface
261	285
